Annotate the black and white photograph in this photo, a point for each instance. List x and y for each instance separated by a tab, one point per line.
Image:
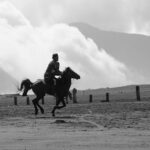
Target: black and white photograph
74	74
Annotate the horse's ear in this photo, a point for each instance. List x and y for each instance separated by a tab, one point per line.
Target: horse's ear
67	68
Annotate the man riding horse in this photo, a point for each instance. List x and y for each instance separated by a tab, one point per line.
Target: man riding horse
51	71
60	89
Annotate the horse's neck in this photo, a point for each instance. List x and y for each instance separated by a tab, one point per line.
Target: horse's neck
64	81
68	84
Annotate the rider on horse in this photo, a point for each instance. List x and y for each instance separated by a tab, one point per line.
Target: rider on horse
51	71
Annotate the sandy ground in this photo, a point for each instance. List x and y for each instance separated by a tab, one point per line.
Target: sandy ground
82	126
68	133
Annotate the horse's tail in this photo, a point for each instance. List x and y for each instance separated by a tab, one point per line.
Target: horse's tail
25	85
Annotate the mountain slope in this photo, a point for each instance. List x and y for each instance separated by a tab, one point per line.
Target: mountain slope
131	49
7	83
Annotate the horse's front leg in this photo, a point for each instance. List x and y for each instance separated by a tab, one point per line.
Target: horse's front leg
58	100
66	98
56	106
63	103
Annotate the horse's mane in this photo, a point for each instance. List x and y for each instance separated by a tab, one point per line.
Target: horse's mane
64	78
67	68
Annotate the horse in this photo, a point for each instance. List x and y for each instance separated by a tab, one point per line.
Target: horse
40	89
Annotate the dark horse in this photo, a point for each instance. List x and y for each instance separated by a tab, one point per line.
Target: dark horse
40	89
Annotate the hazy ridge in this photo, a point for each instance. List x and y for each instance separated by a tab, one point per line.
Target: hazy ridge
131	49
116	90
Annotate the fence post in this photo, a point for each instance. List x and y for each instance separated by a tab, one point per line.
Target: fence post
90	98
28	100
15	100
138	93
74	92
43	100
107	97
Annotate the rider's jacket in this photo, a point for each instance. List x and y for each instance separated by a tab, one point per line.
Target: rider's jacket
52	70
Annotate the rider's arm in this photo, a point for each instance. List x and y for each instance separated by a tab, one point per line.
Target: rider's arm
57	71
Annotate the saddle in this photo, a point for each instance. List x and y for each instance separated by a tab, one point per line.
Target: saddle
50	88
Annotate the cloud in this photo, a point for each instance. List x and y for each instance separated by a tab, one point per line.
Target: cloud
99	13
25	51
116	15
10	14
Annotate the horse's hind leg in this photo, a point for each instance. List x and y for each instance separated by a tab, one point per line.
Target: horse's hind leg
34	101
41	108
36	105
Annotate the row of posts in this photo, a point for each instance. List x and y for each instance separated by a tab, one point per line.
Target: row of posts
138	97
90	97
27	100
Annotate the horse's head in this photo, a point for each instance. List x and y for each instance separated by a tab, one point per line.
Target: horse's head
71	74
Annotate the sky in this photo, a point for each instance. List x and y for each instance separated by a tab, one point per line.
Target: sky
32	30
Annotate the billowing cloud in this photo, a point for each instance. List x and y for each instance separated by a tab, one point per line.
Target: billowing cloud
10	14
25	51
117	15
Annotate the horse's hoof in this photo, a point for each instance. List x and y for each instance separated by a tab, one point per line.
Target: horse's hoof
53	114
42	111
36	112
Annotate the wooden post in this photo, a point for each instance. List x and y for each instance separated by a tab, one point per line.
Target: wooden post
138	93
43	100
74	92
107	97
28	100
90	98
15	100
